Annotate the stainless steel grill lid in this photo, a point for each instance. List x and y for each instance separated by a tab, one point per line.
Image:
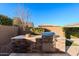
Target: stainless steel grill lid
46	34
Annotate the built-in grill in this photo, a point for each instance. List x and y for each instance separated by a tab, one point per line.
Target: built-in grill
48	42
48	34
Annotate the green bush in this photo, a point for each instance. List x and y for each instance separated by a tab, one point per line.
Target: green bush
4	20
69	43
74	31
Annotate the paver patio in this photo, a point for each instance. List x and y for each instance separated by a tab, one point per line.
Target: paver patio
38	54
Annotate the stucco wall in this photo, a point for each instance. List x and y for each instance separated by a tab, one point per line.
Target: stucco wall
6	32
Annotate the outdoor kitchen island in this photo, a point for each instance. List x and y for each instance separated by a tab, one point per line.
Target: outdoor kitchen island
23	44
35	44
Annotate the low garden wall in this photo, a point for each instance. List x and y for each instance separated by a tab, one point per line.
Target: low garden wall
57	29
6	32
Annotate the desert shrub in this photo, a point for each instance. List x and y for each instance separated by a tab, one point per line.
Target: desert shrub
37	30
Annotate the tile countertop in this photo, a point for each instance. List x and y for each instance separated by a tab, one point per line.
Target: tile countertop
33	38
19	37
38	54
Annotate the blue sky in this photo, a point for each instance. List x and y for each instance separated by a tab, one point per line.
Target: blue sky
54	13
